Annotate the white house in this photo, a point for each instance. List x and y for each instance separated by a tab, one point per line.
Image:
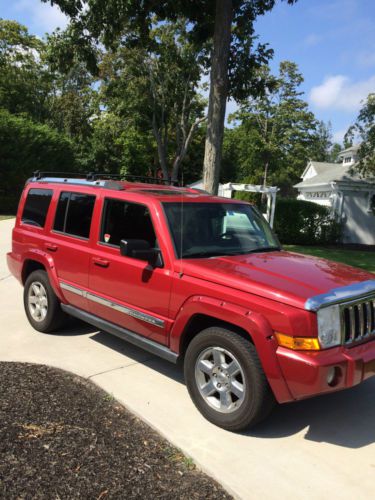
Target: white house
350	196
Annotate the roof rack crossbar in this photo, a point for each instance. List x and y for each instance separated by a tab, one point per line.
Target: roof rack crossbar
95	176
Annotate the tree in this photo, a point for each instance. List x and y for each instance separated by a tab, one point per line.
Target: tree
115	148
334	153
156	90
278	128
26	146
322	142
74	100
25	84
364	130
223	29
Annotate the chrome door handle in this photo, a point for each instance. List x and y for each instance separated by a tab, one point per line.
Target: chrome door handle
100	262
51	247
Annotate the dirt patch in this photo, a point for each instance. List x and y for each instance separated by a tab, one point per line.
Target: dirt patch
61	437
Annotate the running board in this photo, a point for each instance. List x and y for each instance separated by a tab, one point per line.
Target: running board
122	333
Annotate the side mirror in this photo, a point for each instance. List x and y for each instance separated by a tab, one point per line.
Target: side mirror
140	249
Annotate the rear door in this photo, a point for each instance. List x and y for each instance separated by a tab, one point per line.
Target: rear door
68	242
128	291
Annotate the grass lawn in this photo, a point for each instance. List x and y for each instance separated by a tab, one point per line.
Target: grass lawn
3	217
356	258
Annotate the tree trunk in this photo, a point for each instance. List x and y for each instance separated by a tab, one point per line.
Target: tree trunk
218	95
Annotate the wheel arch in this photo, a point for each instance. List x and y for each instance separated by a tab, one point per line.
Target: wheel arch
199	322
199	313
29	267
34	261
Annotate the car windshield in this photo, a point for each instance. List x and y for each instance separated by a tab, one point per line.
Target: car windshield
213	229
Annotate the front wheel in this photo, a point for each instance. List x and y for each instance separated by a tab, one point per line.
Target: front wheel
226	381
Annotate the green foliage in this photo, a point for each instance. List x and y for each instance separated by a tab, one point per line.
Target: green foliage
117	148
133	21
25	83
275	135
277	131
155	91
364	130
300	222
233	73
26	146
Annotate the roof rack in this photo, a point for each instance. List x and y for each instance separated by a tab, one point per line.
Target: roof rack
98	179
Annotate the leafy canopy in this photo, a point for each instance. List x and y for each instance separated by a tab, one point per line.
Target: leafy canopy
364	130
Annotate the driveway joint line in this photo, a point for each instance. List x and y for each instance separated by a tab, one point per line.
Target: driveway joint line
5	277
117	368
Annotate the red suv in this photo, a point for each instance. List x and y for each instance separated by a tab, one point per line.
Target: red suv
195	277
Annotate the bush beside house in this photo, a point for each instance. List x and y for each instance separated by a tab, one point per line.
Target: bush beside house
304	223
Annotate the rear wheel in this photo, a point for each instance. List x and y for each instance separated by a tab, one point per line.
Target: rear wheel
42	307
226	381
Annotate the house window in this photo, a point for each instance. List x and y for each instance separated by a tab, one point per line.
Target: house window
348	159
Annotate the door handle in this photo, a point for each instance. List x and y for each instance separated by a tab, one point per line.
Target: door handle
51	247
100	262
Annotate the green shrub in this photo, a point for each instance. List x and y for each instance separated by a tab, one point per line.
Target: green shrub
300	222
9	204
26	146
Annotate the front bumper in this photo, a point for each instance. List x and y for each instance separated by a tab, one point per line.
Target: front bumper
306	373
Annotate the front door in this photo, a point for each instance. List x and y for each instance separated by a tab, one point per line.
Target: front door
124	290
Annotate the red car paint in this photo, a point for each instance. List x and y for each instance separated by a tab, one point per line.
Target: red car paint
259	293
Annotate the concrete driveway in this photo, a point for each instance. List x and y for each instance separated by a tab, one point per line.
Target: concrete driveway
321	448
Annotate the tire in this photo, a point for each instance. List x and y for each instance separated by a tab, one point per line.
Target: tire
226	381
42	307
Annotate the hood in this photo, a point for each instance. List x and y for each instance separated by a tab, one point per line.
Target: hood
286	277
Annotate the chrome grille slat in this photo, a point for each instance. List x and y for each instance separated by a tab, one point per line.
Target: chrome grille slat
361	321
368	314
358	320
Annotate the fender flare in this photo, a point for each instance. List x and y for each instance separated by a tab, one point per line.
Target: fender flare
254	324
46	260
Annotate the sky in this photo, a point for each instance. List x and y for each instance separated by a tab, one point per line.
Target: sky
332	41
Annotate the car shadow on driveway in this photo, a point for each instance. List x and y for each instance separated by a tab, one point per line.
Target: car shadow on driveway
139	355
74	328
344	418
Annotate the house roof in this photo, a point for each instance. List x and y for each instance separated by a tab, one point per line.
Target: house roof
351	149
332	172
319	167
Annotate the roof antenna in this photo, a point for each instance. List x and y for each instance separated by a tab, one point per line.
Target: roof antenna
182	223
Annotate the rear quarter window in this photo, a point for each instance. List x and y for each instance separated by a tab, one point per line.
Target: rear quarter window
74	214
36	207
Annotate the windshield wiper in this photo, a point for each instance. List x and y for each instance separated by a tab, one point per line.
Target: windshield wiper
264	249
200	254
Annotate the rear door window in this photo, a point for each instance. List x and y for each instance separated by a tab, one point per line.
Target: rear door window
36	207
74	214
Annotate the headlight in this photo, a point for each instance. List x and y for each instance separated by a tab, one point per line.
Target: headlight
329	326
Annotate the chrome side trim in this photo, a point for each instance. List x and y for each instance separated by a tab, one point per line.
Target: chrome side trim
73	289
134	313
342	294
126	310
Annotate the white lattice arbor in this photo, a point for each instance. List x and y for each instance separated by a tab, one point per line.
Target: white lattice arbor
226	190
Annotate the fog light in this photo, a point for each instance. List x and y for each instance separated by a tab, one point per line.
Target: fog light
333	376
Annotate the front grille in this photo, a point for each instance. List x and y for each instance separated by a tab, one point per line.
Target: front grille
358	320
